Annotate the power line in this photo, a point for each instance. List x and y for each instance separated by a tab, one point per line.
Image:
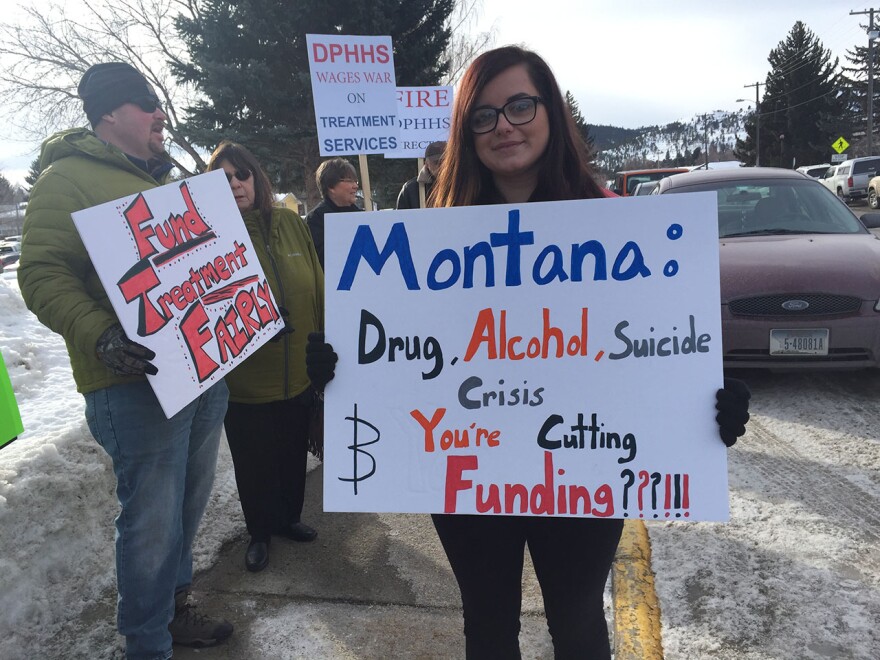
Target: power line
796	105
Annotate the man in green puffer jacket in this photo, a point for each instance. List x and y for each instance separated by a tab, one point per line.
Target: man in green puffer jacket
164	467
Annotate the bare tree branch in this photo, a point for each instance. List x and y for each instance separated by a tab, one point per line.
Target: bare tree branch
43	57
464	45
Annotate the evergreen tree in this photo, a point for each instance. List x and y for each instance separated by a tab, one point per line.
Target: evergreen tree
34	173
854	123
249	60
7	191
582	127
801	104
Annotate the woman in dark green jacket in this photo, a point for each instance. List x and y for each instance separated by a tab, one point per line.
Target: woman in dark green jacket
270	399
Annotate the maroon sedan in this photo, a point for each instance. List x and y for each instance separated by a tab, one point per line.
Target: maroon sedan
800	273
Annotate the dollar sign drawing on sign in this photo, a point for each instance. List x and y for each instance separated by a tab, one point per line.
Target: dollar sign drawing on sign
356	448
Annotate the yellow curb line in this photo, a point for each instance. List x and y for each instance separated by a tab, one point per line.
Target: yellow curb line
636	609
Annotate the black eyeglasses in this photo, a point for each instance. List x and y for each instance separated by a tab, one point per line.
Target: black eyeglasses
146	103
241	175
354	181
518	111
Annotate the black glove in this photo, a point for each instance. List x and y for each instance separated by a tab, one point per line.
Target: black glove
320	360
287	329
732	404
122	356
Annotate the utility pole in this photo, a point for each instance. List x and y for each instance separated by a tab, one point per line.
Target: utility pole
757	87
871	37
706	141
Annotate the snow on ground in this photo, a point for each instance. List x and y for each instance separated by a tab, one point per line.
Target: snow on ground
795	574
796	571
57	500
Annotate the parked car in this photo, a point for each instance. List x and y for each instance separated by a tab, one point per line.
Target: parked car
873	191
829	179
815	171
626	181
850	181
9	253
644	188
800	274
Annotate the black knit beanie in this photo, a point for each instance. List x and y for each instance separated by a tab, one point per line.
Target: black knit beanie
104	87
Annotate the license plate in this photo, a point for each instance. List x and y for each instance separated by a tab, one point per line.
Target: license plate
799	342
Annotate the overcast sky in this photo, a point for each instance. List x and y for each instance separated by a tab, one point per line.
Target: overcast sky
637	63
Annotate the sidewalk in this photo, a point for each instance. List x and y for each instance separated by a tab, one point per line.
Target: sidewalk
371	586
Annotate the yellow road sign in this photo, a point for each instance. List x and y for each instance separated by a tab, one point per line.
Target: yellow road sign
840	146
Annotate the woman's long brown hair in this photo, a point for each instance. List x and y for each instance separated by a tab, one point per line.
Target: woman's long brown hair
564	170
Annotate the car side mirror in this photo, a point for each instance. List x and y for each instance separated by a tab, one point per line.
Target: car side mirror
871	220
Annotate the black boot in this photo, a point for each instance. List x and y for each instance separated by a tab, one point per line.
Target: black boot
257	556
298	532
192	628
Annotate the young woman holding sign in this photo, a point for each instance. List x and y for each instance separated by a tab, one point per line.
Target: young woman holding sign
513	140
270	398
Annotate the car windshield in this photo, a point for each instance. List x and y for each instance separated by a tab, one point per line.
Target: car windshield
778	206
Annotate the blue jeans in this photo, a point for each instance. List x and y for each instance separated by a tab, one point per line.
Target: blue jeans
164	474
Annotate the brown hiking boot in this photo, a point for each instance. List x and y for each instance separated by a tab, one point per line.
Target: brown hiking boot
190	628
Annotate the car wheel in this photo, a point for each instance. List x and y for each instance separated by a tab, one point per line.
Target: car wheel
872	198
841	195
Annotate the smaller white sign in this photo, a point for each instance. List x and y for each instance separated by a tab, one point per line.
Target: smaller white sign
354	93
838	158
424	114
181	273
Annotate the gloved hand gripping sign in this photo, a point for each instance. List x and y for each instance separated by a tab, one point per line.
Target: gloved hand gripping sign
10	419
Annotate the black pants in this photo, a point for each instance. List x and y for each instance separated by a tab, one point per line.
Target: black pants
269	443
572	559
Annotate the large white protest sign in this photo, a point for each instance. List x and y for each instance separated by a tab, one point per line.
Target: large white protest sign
424	115
184	280
556	358
354	93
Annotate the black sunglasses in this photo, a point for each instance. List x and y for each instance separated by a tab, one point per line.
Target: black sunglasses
146	103
241	175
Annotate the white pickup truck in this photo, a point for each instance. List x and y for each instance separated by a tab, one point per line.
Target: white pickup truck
849	180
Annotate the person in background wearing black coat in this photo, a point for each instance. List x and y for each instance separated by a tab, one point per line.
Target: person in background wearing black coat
408	198
337	181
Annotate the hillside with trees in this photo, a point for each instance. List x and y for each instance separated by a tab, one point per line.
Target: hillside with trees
681	143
